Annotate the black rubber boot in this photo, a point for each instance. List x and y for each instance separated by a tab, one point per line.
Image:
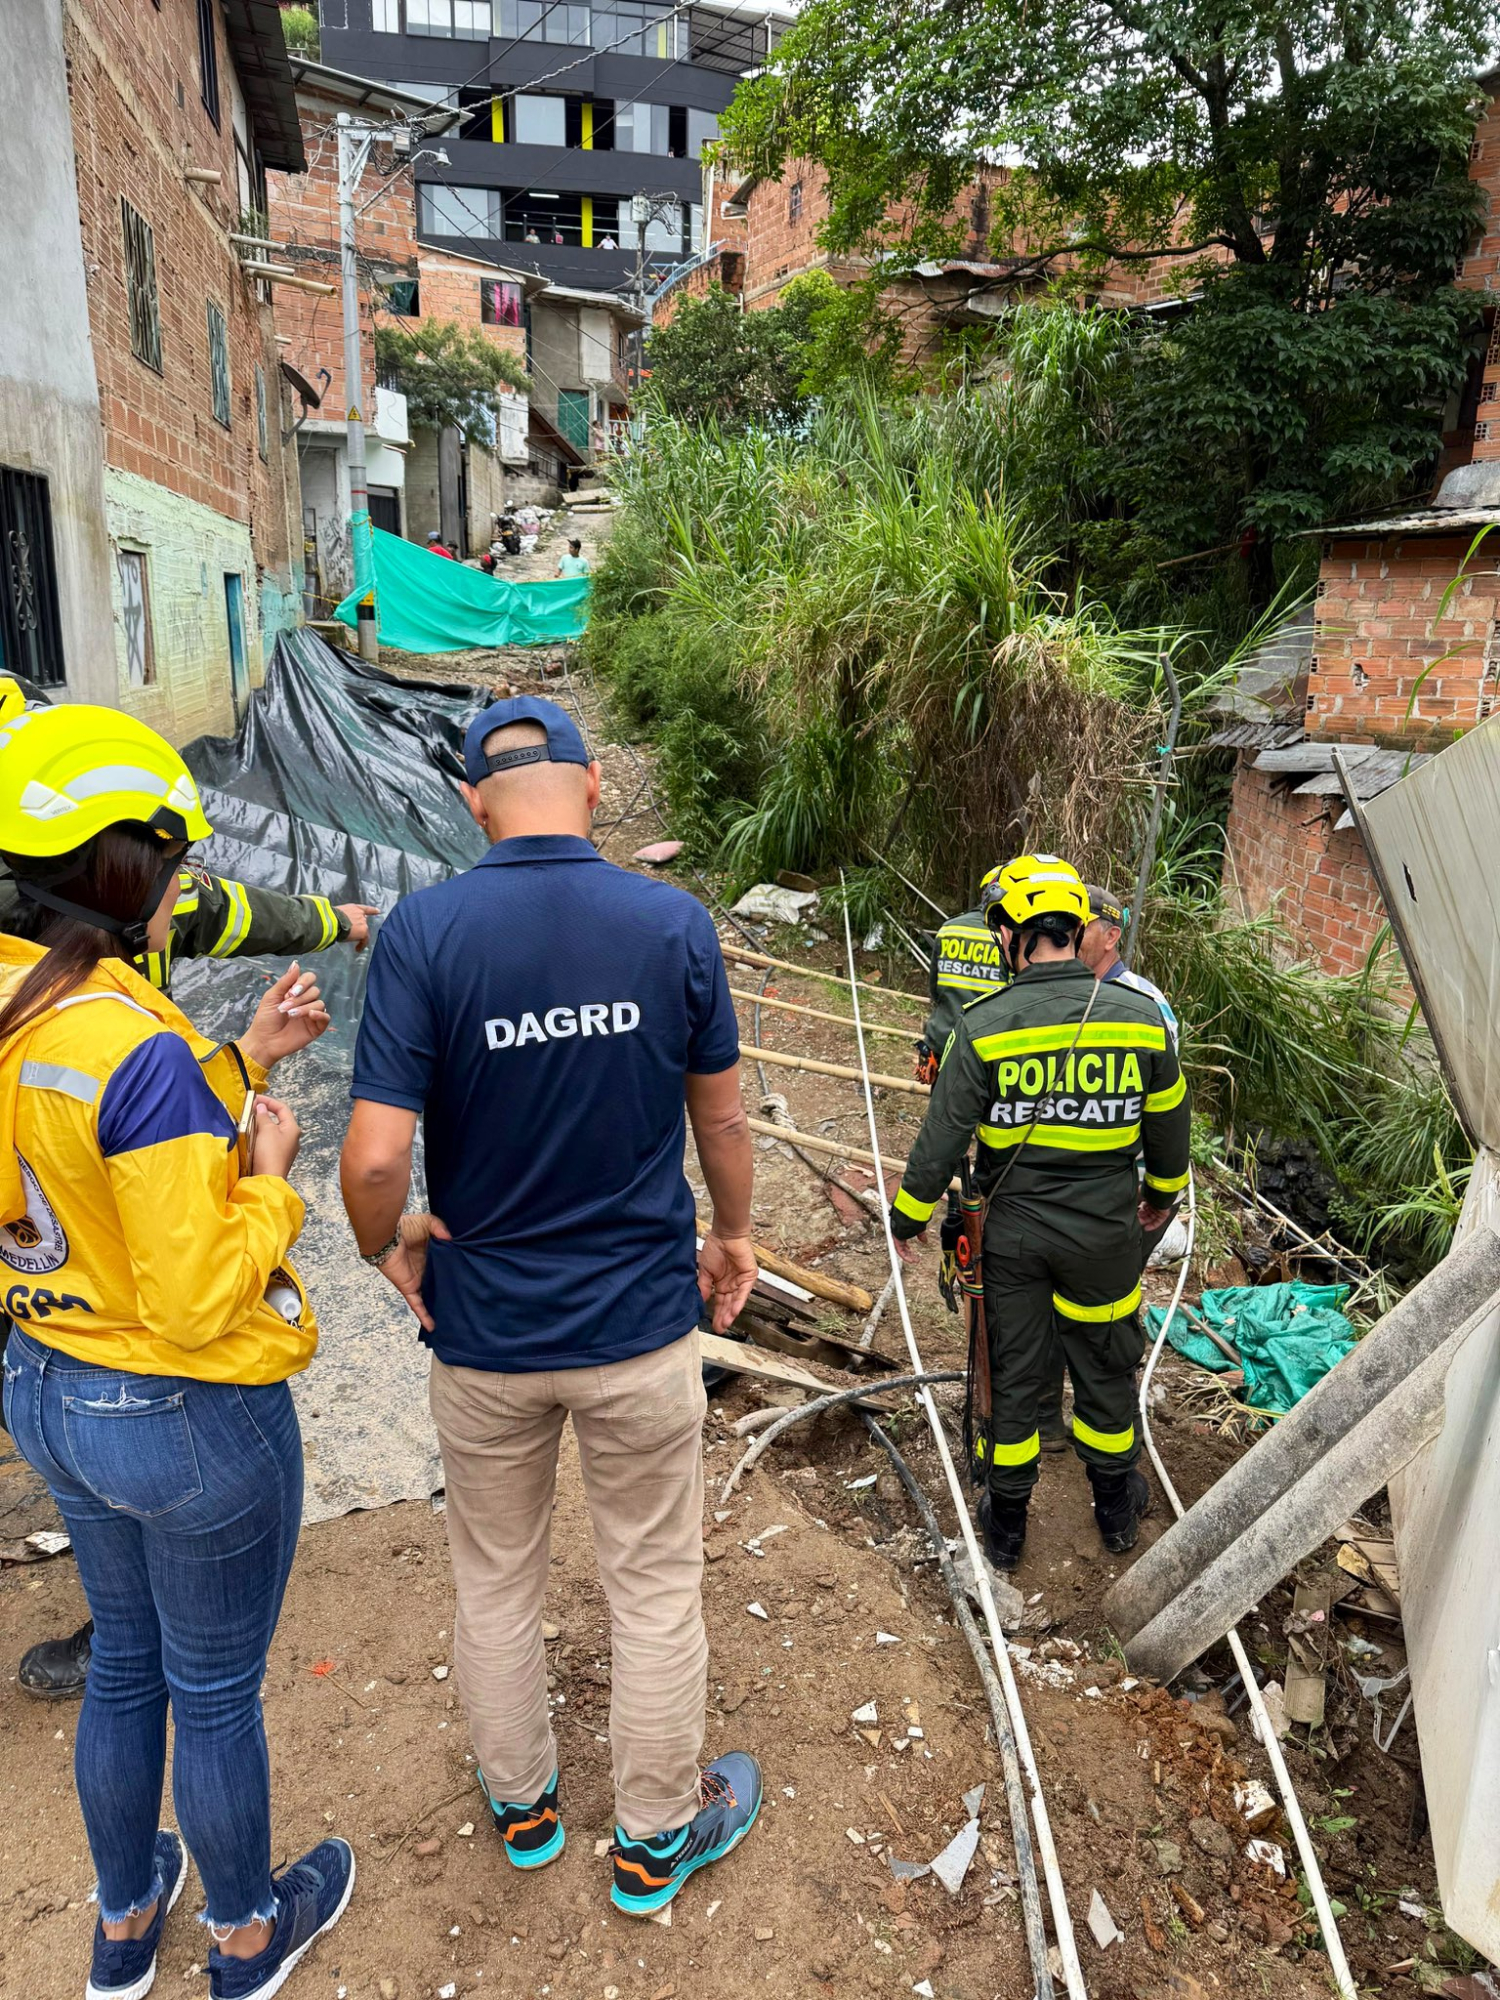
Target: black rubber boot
1122	1500
1003	1523
1054	1430
57	1669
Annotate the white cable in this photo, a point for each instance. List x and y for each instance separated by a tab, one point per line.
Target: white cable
1057	1895
1333	1944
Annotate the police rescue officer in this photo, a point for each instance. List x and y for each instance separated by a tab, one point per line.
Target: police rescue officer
966	965
1065	1081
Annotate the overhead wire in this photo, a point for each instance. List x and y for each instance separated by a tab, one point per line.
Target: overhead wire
1062	1921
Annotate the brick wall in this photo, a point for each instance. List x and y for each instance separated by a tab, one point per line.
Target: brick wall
137	122
1283	852
304	216
1386	668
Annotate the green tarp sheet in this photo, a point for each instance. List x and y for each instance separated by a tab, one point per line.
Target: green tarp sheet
426	604
1288	1337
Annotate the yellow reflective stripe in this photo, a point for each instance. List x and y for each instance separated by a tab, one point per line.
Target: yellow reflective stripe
326	916
236	921
907	1204
1066	1138
1115	1309
1118	1441
1167	1184
1010	1454
969	980
1168	1099
187	898
1092	1035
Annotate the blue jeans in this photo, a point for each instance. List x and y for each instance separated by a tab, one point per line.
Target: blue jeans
183	1500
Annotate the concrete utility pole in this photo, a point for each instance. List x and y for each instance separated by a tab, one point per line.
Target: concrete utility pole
354	151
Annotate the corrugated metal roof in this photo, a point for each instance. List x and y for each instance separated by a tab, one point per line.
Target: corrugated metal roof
1427	521
1267	735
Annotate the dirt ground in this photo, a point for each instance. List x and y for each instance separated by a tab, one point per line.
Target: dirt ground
367	1737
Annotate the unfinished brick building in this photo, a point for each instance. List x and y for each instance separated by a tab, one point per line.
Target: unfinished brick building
1399	656
141	419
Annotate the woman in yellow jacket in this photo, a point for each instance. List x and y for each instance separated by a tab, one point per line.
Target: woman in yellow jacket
145	1221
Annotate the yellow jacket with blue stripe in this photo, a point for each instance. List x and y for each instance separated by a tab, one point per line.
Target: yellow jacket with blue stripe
128	1236
1052	1095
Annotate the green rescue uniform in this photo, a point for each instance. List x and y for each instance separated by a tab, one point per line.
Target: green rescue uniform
1062	1107
967	964
215	918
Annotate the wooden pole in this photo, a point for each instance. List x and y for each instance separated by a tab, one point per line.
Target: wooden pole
836	1148
833	1069
759	958
821	1286
817	1014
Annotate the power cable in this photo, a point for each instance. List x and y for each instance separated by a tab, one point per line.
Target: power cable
1057	1894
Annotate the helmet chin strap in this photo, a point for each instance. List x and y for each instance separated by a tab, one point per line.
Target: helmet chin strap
131	931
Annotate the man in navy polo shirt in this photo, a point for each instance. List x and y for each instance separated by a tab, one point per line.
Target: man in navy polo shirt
551	1018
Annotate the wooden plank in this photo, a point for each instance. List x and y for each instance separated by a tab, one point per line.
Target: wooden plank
746	1360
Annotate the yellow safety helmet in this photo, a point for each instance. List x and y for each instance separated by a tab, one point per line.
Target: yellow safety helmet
1035	885
68	772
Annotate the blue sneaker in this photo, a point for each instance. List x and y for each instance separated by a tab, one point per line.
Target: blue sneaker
533	1834
648	1873
125	1968
311	1896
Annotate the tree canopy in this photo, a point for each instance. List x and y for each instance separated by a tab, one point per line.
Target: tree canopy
712	362
1301	166
448	374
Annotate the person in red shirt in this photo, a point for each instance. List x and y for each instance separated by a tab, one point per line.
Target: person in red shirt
435	547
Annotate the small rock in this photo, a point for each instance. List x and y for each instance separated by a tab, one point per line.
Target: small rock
764	1934
659	853
865	1716
886	1639
1212	1839
973	1801
466	1831
924	1987
1268	1855
447	1992
757	1611
601	1848
667	1992
550	1631
427	1847
440	1673
1168	1856
1218	1932
390	1989
1215	1724
853	1833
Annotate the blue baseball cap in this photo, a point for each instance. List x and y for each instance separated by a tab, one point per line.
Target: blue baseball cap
564	744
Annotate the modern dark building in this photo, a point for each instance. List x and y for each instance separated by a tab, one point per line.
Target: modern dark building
563	113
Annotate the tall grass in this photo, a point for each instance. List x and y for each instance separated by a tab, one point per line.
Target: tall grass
859	638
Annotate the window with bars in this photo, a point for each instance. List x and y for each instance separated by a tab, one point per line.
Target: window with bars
218	363
135	616
262	439
30	608
208	59
794	202
140	287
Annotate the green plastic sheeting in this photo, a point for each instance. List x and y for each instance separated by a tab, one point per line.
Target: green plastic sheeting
427	604
1288	1337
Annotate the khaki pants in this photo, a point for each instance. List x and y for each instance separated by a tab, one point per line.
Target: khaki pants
639	1429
